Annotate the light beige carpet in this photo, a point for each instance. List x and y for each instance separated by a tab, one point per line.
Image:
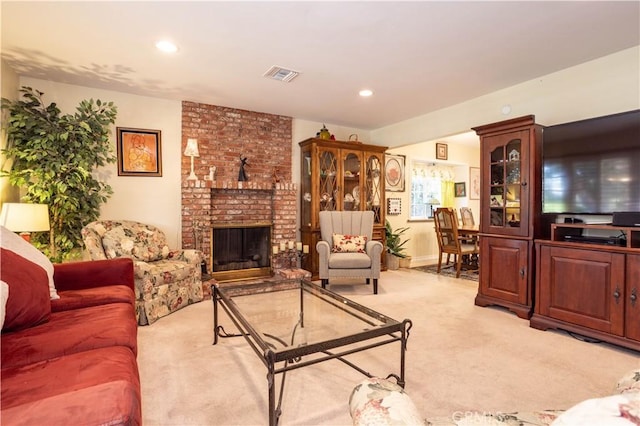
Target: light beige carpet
460	358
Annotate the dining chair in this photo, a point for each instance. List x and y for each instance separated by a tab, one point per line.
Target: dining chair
450	241
467	216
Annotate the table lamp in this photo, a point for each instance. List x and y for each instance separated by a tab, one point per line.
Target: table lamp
433	202
192	151
25	218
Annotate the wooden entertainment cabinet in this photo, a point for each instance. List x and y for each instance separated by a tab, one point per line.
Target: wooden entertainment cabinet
589	288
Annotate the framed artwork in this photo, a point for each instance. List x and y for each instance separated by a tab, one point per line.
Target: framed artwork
139	152
441	151
394	206
460	189
394	172
474	183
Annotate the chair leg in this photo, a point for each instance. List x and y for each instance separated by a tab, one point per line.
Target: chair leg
368	281
458	265
439	262
325	282
375	286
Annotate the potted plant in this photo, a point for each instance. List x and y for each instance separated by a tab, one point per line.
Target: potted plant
53	158
395	246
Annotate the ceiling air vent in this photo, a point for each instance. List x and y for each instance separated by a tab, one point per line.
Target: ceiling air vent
281	74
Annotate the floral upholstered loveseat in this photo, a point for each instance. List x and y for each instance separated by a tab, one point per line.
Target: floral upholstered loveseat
379	402
165	279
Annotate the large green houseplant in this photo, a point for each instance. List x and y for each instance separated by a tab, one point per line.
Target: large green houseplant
53	157
395	245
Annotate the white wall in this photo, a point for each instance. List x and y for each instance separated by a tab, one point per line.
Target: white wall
603	86
600	87
9	90
152	200
156	200
422	244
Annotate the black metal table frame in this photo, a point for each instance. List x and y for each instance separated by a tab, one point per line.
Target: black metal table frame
291	357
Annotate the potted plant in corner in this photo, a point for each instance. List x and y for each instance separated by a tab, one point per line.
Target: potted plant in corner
395	246
53	160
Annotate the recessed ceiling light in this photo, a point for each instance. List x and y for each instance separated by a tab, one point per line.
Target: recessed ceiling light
365	93
166	46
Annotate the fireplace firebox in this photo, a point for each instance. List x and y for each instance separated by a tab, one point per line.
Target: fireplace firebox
240	251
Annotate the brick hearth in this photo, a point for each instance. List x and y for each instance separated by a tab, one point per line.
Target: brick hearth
225	134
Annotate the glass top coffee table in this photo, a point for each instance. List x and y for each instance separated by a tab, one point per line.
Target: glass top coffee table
294	324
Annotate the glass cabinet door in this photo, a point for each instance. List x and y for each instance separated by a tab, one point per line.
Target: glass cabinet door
328	187
373	187
351	196
305	189
507	203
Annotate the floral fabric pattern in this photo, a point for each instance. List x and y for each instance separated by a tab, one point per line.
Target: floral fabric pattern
165	280
349	243
144	243
630	382
380	402
377	401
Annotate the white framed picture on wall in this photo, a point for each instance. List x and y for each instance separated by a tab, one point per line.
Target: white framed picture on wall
474	183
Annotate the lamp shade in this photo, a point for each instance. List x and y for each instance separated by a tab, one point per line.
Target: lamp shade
192	148
24	217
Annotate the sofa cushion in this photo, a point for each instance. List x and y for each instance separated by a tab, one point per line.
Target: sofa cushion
12	241
140	242
349	243
84	298
71	331
28	303
349	261
99	386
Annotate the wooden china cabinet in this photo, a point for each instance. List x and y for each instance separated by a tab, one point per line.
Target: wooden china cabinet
510	206
338	175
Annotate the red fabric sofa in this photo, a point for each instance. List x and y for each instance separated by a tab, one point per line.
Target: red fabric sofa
70	360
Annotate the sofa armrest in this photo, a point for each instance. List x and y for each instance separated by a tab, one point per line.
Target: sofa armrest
323	249
93	273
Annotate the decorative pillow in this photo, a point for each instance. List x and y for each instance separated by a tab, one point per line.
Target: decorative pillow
377	401
4	295
144	244
630	382
349	243
14	242
615	410
28	303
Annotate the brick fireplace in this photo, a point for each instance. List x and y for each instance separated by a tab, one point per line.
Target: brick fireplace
269	196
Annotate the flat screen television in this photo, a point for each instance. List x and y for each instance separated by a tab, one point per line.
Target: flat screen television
592	166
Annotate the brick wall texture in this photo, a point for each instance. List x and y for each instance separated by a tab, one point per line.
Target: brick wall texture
224	134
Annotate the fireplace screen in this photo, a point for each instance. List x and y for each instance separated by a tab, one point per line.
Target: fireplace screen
240	251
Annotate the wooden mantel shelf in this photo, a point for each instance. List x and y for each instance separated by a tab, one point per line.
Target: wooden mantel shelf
246	185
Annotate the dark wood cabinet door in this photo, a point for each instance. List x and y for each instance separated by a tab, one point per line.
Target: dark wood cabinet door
503	269
505	187
583	287
632	297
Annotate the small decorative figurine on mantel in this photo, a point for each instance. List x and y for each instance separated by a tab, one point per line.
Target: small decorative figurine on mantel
242	175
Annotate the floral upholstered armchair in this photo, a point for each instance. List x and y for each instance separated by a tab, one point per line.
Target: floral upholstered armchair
165	279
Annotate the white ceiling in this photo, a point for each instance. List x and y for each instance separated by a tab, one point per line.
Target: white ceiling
417	57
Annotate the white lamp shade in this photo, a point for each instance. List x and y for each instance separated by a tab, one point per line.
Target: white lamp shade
192	148
24	217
